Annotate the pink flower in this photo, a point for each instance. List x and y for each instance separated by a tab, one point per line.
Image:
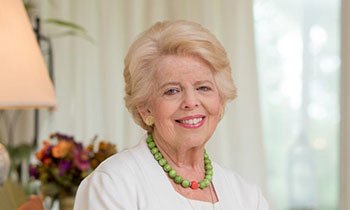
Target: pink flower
81	157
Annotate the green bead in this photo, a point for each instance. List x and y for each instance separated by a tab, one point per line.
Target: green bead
202	185
209	177
208	167
154	150
149	139
162	162
151	145
209	172
172	173
185	183
167	167
206	156
178	179
207	161
158	156
206	181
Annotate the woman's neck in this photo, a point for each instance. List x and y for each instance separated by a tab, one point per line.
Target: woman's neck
189	164
181	156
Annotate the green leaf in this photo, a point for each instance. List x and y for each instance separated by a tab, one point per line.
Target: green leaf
72	33
72	29
66	24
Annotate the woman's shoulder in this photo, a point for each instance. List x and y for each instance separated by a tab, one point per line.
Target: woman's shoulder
121	163
115	170
235	178
248	192
114	183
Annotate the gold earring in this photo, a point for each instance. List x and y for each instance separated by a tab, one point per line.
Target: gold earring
221	115
149	120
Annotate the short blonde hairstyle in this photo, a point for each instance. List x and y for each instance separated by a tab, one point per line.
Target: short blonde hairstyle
183	38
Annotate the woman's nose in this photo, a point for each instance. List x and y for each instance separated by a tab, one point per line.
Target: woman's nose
190	101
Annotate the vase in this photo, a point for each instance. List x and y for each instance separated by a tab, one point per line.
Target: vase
66	203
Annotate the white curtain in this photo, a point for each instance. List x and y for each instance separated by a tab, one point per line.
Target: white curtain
345	109
89	79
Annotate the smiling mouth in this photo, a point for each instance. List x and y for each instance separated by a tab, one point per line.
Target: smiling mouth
191	122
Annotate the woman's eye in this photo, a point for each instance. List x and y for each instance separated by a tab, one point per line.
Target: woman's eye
204	88
171	91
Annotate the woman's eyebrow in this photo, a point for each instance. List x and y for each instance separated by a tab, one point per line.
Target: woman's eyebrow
202	82
199	82
169	84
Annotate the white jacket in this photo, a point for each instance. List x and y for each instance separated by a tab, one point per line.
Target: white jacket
133	180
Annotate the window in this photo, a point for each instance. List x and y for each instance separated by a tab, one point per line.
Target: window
298	65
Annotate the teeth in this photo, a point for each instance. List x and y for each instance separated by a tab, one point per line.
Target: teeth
192	121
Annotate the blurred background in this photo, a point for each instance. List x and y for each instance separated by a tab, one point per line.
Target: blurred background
286	131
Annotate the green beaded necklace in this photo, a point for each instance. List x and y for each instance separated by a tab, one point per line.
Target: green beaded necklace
172	173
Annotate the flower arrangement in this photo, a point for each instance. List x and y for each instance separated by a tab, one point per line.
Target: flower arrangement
64	163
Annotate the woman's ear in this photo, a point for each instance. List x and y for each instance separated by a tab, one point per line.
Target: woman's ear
144	112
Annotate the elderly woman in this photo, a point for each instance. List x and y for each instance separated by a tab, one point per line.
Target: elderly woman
177	82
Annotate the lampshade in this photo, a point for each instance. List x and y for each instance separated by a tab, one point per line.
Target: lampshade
24	79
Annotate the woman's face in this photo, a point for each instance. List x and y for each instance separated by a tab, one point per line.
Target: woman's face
186	104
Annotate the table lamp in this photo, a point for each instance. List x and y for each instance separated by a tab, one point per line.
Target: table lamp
24	79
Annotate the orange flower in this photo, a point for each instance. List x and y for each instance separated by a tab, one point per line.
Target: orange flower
47	161
62	149
39	155
103	145
90	148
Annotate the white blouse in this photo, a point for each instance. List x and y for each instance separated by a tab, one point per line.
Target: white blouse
133	180
202	205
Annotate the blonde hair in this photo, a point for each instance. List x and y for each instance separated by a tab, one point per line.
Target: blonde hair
183	38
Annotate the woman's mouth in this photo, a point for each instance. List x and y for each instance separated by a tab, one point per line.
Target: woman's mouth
191	122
